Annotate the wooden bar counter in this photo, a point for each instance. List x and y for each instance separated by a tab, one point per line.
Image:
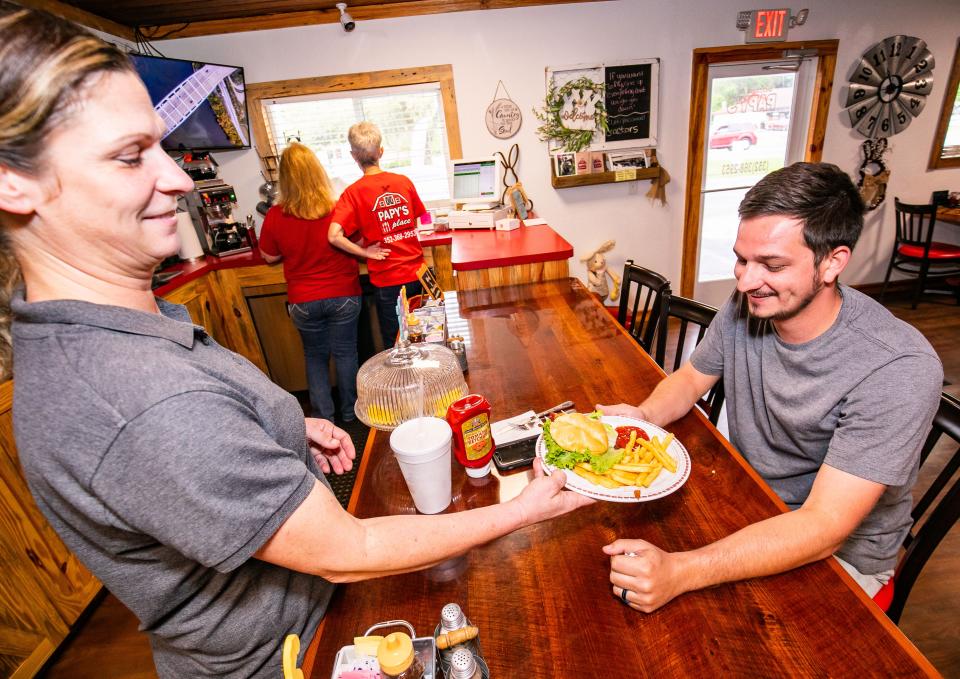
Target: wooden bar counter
541	596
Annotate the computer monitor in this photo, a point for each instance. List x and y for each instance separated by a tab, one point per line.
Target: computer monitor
476	182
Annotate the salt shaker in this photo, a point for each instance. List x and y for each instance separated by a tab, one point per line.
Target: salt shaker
464	666
451	619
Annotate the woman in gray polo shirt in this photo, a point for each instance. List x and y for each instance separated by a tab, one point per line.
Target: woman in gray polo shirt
179	474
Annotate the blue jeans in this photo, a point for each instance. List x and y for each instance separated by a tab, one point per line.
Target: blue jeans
329	326
387	309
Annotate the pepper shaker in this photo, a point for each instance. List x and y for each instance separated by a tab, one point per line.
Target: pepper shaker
464	666
459	350
452	618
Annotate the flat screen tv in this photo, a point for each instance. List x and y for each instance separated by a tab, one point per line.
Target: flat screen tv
203	105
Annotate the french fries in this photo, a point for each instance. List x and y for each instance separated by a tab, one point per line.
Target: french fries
598	479
640	465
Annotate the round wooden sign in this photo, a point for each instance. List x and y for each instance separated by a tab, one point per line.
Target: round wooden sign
503	118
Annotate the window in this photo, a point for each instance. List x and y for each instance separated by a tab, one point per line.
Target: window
946	146
410	118
414	108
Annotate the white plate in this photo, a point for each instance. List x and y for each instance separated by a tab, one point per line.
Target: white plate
665	483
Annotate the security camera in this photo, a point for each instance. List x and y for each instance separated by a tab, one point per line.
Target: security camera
345	19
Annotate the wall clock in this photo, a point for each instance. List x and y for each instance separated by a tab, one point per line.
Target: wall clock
889	86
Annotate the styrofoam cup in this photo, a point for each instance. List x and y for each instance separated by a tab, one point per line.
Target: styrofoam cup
422	447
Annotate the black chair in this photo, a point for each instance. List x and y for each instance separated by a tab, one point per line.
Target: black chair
692	315
915	252
640	301
939	517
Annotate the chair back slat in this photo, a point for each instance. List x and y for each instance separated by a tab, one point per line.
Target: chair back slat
937	517
640	301
681	343
915	223
689	313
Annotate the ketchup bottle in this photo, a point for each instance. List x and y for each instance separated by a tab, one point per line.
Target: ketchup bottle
469	418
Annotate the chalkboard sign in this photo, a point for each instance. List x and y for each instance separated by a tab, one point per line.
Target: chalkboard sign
631	96
628	102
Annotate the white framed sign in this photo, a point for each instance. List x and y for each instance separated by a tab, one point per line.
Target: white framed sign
631	96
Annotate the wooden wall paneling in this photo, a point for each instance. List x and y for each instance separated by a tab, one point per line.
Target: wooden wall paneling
22	655
44	587
702	59
259	93
67	582
80	16
438	257
271	16
199	301
517	274
238	323
279	339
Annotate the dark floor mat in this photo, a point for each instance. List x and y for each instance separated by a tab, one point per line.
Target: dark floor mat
343	484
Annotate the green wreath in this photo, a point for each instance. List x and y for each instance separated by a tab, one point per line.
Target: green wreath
553	128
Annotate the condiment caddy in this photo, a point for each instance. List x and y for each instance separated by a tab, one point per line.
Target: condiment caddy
353	660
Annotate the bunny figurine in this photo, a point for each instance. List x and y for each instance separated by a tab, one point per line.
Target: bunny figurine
597	272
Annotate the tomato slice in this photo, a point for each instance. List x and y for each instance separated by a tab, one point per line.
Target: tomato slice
623	435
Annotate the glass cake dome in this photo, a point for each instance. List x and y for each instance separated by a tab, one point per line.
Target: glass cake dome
409	381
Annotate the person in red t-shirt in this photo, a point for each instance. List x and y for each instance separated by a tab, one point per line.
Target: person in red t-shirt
384	208
323	283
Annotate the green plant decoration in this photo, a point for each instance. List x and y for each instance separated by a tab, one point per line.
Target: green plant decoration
553	127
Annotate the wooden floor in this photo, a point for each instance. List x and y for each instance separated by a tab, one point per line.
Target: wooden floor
108	644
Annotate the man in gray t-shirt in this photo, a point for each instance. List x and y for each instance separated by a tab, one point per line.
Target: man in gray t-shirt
829	398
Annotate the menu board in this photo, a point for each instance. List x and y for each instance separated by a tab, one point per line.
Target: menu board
631	97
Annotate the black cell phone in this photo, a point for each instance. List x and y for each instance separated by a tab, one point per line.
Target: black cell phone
516	454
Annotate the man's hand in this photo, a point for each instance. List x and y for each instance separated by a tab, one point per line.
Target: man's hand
652	576
331	446
376	251
544	497
622	409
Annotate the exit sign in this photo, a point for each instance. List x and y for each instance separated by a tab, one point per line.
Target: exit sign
768	25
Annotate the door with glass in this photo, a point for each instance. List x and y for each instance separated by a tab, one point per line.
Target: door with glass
756	122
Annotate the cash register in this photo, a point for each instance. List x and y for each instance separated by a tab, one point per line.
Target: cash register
476	186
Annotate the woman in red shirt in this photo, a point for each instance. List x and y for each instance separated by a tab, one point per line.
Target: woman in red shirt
323	283
384	208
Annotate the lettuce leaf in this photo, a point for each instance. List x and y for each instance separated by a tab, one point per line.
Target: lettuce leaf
601	463
568	459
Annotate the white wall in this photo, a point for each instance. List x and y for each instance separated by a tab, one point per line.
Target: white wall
516	44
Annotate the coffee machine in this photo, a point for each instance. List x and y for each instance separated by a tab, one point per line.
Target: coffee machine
212	205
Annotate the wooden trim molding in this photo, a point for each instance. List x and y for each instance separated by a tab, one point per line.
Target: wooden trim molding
79	16
703	58
259	93
366	12
949	96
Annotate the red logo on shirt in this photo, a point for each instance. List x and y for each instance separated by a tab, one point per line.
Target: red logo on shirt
392	211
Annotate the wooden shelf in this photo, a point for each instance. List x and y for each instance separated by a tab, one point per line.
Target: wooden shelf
603	177
630	175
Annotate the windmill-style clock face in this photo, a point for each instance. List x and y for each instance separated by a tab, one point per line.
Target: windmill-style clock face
889	87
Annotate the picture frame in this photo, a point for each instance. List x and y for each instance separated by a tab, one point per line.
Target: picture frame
565	164
635	159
